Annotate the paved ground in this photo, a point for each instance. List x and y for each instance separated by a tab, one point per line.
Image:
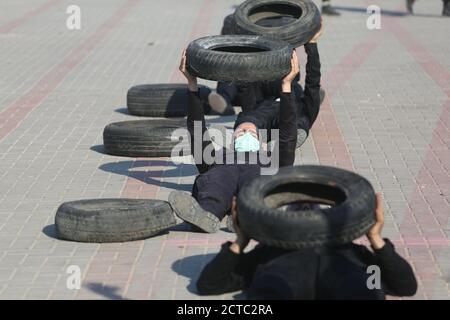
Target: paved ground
387	116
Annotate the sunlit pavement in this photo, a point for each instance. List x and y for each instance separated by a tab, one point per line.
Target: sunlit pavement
386	116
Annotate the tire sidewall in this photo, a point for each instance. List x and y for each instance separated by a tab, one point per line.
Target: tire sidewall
298	229
297	33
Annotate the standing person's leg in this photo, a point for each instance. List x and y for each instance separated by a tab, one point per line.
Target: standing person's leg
328	10
446	9
409	5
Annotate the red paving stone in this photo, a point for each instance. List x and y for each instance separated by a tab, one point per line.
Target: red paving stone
14	114
134	186
427	194
421	238
16	23
331	148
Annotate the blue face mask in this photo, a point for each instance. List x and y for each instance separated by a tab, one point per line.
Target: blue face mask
246	143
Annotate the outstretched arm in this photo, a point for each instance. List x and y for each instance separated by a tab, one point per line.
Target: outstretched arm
288	116
311	98
396	273
195	118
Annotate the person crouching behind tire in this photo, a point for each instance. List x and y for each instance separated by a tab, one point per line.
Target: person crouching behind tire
309	274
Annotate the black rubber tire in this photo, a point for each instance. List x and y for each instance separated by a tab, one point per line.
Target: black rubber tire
297	33
229	24
270	62
350	217
274	22
112	220
144	138
161	100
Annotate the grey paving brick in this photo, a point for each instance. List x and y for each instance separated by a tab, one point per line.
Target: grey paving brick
386	111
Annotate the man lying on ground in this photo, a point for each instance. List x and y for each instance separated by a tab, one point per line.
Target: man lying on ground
219	181
316	273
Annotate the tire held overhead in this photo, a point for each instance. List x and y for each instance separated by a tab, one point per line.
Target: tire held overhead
235	58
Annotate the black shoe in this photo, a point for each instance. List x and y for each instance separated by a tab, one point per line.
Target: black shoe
409	6
330	11
220	104
188	209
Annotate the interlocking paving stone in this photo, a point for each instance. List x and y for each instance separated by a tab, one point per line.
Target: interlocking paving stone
386	116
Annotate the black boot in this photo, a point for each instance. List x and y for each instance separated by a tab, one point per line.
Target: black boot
220	104
446	10
330	11
188	209
409	5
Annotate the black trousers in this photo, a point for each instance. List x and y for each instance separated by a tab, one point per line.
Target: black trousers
249	96
214	190
258	103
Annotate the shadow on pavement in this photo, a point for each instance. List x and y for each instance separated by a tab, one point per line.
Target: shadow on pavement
390	13
106	291
185	227
128	169
98	148
50	231
191	267
123	110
